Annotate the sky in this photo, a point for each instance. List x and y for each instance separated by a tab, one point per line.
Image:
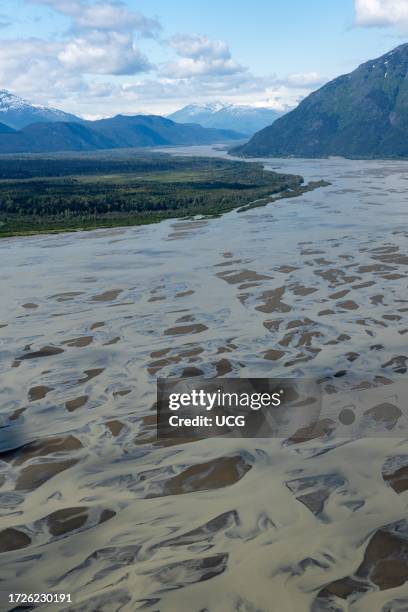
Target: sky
98	58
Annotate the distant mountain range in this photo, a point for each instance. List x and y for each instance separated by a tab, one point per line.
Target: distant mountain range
18	113
244	119
363	114
118	132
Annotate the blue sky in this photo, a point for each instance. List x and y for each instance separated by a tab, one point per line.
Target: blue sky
100	57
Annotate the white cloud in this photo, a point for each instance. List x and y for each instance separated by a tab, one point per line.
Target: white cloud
31	67
51	73
54	71
42	69
67	71
199	47
103	16
200	56
101	41
187	67
381	13
103	53
307	79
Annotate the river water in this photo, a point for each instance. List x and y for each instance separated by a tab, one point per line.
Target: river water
93	505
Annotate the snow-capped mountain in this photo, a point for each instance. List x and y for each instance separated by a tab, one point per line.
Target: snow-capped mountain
18	113
244	119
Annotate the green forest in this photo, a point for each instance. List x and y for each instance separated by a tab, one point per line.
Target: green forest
63	193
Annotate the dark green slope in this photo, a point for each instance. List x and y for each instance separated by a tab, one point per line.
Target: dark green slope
363	114
116	132
5	129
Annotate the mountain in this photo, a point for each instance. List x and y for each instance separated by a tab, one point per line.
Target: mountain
245	119
18	113
118	132
5	129
149	130
363	114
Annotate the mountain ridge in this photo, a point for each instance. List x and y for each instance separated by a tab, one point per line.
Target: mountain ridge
121	131
363	114
238	117
16	112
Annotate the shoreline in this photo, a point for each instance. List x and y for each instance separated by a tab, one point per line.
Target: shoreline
151	219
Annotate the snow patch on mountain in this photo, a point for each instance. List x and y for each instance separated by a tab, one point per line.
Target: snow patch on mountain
241	118
17	112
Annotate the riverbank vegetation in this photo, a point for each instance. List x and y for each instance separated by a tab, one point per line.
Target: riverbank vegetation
66	193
